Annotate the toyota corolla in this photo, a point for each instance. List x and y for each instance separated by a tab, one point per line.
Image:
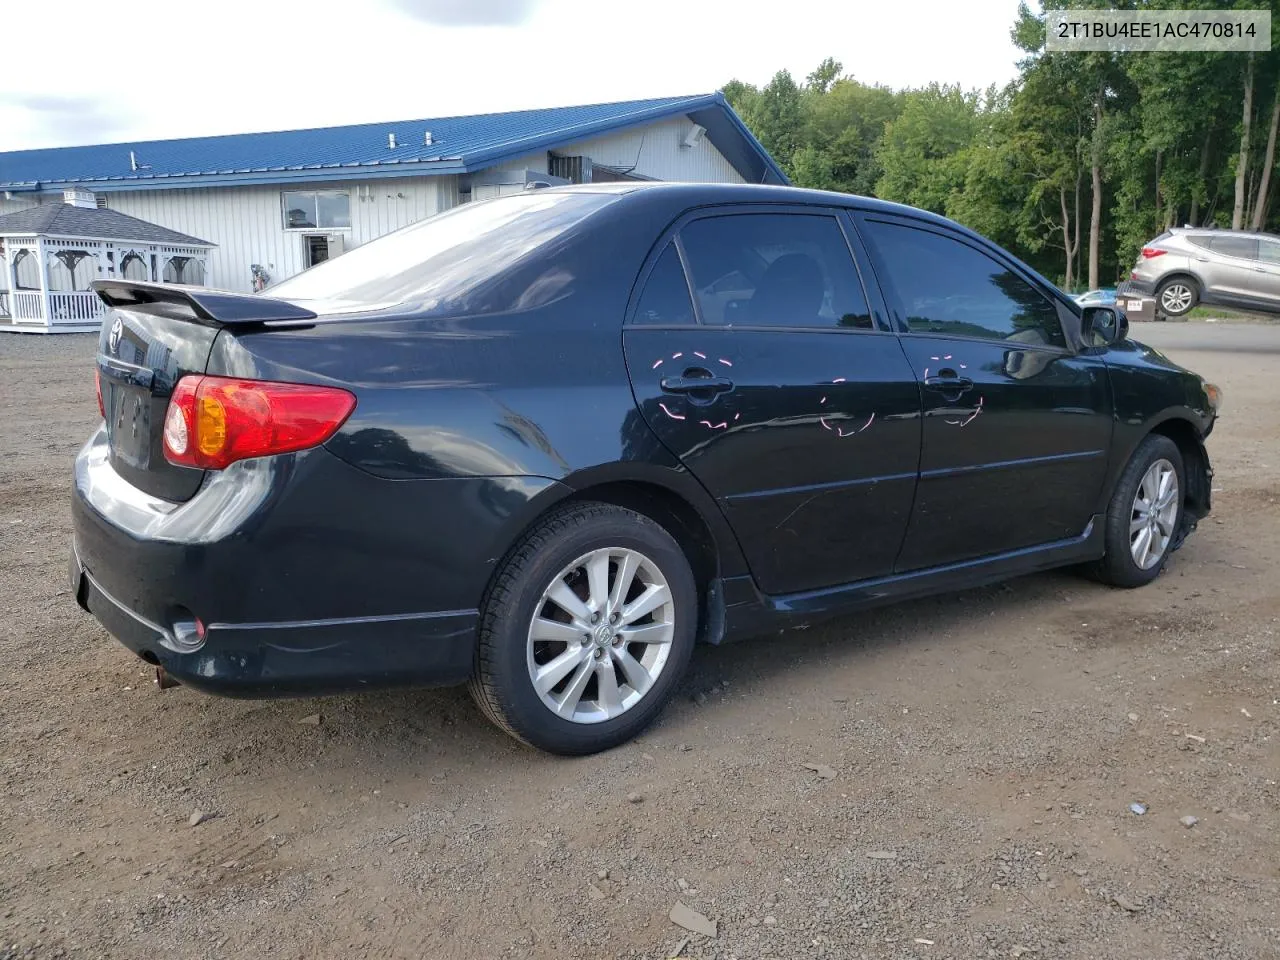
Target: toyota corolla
544	444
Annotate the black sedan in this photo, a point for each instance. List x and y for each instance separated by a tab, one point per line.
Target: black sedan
544	444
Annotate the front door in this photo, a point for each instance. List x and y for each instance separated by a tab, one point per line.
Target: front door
1016	426
780	393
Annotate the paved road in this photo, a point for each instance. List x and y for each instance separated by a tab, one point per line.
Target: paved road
1262	337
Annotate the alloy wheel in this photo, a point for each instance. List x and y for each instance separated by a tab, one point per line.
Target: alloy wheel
1176	298
1155	511
601	635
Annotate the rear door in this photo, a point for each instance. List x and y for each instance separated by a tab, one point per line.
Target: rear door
1268	272
756	359
1016	426
1233	271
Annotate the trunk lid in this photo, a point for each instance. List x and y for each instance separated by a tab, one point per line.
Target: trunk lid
153	335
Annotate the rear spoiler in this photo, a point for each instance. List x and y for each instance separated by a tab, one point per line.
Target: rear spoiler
216	307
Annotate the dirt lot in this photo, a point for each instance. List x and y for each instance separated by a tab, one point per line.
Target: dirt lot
986	748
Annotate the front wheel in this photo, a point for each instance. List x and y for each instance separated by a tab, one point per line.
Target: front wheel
586	631
1176	297
1144	515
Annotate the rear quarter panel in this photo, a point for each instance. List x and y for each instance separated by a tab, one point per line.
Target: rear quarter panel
540	393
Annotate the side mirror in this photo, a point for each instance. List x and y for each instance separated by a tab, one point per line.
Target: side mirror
1104	326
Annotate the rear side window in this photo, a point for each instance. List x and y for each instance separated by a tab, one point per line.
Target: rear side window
453	258
1246	248
948	287
665	298
1269	251
774	270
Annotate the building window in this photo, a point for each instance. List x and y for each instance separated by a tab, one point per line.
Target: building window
317	211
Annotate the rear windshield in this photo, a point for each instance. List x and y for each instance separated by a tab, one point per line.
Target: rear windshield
444	257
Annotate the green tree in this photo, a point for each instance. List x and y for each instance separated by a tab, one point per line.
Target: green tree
923	151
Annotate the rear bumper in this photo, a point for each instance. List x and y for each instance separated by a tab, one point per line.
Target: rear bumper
306	575
295	658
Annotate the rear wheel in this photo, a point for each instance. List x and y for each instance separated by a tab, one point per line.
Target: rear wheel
1144	515
1177	296
586	631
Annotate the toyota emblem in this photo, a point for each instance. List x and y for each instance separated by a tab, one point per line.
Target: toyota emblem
113	338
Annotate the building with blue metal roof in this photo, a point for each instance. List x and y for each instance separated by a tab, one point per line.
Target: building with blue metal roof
276	203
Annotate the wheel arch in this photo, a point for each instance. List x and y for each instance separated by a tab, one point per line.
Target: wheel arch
670	498
1195	461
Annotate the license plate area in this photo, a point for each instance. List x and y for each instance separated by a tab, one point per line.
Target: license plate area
128	409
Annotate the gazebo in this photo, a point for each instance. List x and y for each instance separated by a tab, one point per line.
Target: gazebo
49	253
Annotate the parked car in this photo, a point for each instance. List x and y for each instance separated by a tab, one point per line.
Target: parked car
543	444
1096	298
1187	266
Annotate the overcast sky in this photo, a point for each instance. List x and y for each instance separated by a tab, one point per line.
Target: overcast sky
156	69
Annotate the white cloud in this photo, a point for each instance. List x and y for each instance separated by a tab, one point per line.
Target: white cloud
185	69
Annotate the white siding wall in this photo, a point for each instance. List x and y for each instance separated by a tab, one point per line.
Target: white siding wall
530	161
248	226
23	201
656	151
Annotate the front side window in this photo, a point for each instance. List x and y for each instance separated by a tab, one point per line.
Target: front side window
1245	248
948	287
1269	252
774	270
316	211
665	298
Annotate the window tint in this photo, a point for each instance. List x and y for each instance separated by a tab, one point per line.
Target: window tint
451	260
946	286
665	298
775	269
1270	251
1200	240
1244	247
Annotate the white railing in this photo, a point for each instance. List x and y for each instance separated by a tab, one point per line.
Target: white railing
4	304
27	306
79	307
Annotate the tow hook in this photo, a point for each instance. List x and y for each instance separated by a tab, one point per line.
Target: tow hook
164	680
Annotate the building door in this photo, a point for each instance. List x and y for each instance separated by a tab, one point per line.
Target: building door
319	247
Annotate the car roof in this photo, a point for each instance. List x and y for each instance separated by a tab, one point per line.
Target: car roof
1223	231
716	193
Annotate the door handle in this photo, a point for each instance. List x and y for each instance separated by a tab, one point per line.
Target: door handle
948	384
1202	259
696	384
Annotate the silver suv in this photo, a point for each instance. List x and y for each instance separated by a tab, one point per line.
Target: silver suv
1189	265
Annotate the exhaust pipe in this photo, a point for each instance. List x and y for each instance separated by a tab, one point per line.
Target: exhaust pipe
164	680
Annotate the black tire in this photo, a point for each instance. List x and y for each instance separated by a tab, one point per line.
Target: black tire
1191	287
501	684
1118	567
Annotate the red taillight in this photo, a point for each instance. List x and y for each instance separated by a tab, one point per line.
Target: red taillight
97	388
1134	275
214	421
1150	252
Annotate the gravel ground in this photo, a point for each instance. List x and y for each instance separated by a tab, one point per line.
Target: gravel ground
977	754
